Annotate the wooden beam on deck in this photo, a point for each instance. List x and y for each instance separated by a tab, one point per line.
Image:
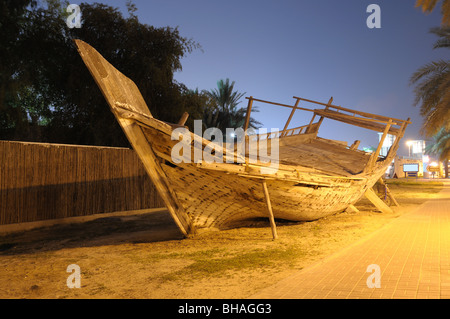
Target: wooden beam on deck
319	123
249	111
367	123
183	118
283	133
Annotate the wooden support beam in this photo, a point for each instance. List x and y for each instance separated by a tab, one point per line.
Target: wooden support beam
374	156
183	118
377	202
365	114
249	111
367	123
383	137
290	118
321	118
269	210
280	104
389	193
355	145
393	149
353	209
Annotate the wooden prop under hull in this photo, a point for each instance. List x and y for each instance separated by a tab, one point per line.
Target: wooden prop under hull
222	195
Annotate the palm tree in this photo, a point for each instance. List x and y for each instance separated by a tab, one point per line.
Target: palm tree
224	112
433	88
429	5
440	147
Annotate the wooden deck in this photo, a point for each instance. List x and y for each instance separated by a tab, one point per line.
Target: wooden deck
316	177
325	156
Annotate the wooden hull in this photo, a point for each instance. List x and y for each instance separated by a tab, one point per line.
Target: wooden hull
223	198
218	200
314	177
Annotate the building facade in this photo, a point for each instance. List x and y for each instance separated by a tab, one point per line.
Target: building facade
417	163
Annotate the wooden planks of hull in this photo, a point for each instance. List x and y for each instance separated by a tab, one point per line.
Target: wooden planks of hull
313	177
217	200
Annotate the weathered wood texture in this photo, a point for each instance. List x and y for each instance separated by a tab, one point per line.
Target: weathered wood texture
374	199
214	200
49	181
269	210
121	92
313	178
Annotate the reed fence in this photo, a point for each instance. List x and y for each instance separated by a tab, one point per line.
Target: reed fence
41	181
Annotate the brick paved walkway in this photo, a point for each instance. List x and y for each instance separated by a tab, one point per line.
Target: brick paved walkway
412	252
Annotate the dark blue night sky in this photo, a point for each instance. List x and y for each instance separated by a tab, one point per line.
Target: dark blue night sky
313	49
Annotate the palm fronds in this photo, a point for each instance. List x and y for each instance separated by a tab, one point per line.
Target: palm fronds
444	37
440	146
224	112
429	5
432	89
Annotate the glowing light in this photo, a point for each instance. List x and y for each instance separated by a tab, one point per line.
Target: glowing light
409	143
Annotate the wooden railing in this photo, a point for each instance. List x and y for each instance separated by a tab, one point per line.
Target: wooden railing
356	118
311	127
278	134
379	123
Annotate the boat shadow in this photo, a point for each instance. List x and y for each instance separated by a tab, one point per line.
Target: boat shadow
142	228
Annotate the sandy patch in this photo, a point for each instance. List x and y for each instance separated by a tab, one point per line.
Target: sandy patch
144	256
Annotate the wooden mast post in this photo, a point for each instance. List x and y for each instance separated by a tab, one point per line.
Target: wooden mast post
374	156
370	194
283	133
269	210
321	118
247	116
246	124
183	118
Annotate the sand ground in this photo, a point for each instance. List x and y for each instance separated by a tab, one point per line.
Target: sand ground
144	255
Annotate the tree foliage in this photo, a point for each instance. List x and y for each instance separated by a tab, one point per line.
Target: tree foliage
432	89
43	62
13	17
440	147
429	5
48	95
223	111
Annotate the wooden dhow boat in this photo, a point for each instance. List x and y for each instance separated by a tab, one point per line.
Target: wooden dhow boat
311	177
